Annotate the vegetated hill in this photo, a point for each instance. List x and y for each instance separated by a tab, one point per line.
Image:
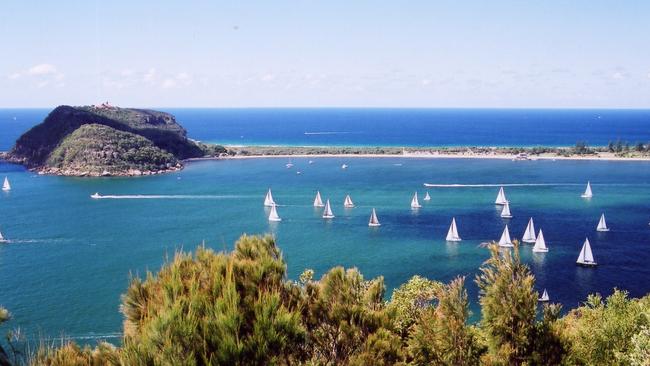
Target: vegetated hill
94	149
35	148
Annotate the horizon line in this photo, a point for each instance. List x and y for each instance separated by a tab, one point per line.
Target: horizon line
347	107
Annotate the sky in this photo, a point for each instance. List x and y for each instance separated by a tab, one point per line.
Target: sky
438	54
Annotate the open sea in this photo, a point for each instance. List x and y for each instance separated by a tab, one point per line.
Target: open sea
69	256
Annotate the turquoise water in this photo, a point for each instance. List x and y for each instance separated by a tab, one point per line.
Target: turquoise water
70	256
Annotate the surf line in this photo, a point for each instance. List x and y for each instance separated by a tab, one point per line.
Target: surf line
431	185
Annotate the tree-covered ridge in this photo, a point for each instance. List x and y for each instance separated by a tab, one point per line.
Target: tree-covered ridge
35	147
97	148
239	308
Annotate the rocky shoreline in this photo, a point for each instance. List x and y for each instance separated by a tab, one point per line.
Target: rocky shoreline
105	173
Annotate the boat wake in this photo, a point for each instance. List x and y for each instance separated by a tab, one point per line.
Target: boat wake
328	133
498	185
162	197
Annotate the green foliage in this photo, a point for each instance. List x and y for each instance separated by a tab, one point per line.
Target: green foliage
602	331
70	354
441	335
95	148
508	305
34	147
239	309
213	309
346	319
639	353
410	299
582	148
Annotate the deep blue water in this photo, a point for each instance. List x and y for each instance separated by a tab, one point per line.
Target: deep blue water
389	127
70	257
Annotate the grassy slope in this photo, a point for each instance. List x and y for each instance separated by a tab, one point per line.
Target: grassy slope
95	148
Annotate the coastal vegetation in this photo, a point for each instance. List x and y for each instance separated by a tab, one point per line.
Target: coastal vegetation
581	149
54	147
239	308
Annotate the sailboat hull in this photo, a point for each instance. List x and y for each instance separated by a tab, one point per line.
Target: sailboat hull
602	230
587	264
545	250
373	225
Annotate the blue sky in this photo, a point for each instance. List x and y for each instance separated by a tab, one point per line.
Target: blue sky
553	54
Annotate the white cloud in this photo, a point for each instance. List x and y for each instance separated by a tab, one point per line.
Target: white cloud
617	75
42	69
150	76
40	75
425	82
268	77
184	78
168	83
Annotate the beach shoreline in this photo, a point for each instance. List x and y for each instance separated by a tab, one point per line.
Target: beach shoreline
456	153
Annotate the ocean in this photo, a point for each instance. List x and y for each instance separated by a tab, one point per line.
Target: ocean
388	127
70	256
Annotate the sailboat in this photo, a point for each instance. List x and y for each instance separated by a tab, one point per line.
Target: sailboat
414	202
505	213
348	202
374	222
544	297
268	200
505	239
318	202
586	258
501	197
6	186
96	195
602	225
427	197
327	212
529	234
540	243
273	216
2	239
588	193
452	234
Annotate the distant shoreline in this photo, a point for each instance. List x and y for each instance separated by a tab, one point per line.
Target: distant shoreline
475	152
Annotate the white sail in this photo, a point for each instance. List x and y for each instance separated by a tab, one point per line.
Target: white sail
529	234
6	186
540	243
588	193
327	212
501	197
318	202
544	297
273	216
348	202
414	202
586	257
268	200
602	225
373	219
427	197
505	239
505	213
452	234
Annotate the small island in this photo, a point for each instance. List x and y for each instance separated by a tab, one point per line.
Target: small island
104	140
